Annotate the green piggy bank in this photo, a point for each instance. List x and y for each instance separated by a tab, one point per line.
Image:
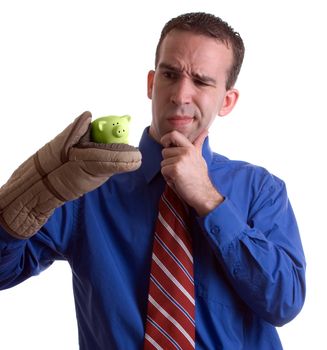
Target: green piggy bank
110	129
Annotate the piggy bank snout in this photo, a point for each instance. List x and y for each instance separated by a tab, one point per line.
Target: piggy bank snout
119	130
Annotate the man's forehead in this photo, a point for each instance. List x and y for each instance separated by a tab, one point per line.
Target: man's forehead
193	46
196	67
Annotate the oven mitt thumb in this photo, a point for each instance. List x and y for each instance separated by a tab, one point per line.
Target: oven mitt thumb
64	169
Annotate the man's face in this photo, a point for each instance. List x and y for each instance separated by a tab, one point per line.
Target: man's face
188	87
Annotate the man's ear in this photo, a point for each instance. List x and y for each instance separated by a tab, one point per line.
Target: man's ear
150	83
229	102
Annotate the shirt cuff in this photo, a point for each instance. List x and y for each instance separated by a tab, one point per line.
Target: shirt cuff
224	223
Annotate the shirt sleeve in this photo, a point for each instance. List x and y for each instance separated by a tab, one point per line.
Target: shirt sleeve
262	255
21	259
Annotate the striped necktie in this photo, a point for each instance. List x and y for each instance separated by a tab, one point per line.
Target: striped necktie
170	320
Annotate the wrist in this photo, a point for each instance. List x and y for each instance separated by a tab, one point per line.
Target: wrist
209	203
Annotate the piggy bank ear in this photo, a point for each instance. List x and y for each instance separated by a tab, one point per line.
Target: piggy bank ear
101	124
127	117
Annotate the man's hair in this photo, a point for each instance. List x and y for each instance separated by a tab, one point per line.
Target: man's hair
211	26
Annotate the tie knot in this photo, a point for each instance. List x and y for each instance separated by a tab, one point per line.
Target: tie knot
168	191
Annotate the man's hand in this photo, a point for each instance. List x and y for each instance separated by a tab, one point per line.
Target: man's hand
185	170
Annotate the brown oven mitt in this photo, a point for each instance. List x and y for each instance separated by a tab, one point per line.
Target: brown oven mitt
62	170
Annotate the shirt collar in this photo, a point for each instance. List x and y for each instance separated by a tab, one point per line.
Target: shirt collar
152	157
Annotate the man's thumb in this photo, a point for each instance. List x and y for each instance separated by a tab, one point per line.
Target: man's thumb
200	139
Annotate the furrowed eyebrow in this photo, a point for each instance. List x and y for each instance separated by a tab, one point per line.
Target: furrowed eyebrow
204	78
169	67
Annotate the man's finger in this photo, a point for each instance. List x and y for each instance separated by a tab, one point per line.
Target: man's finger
175	138
171	152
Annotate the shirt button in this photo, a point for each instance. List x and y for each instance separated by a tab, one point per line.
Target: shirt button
236	270
215	230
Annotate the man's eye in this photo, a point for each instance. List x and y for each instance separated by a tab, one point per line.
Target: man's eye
200	83
170	75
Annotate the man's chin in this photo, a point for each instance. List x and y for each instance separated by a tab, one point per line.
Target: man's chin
185	131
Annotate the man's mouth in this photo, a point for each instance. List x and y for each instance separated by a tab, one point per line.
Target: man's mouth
180	120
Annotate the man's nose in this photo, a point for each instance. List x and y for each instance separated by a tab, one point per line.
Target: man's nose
182	92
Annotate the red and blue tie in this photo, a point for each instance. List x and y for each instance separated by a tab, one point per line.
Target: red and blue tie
170	320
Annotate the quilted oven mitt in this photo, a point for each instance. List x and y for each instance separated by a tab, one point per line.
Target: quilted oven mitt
64	169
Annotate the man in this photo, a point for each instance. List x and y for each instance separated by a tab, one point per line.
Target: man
249	264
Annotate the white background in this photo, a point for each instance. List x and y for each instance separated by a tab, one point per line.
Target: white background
59	58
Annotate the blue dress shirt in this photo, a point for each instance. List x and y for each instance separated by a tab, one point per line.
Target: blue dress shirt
248	259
